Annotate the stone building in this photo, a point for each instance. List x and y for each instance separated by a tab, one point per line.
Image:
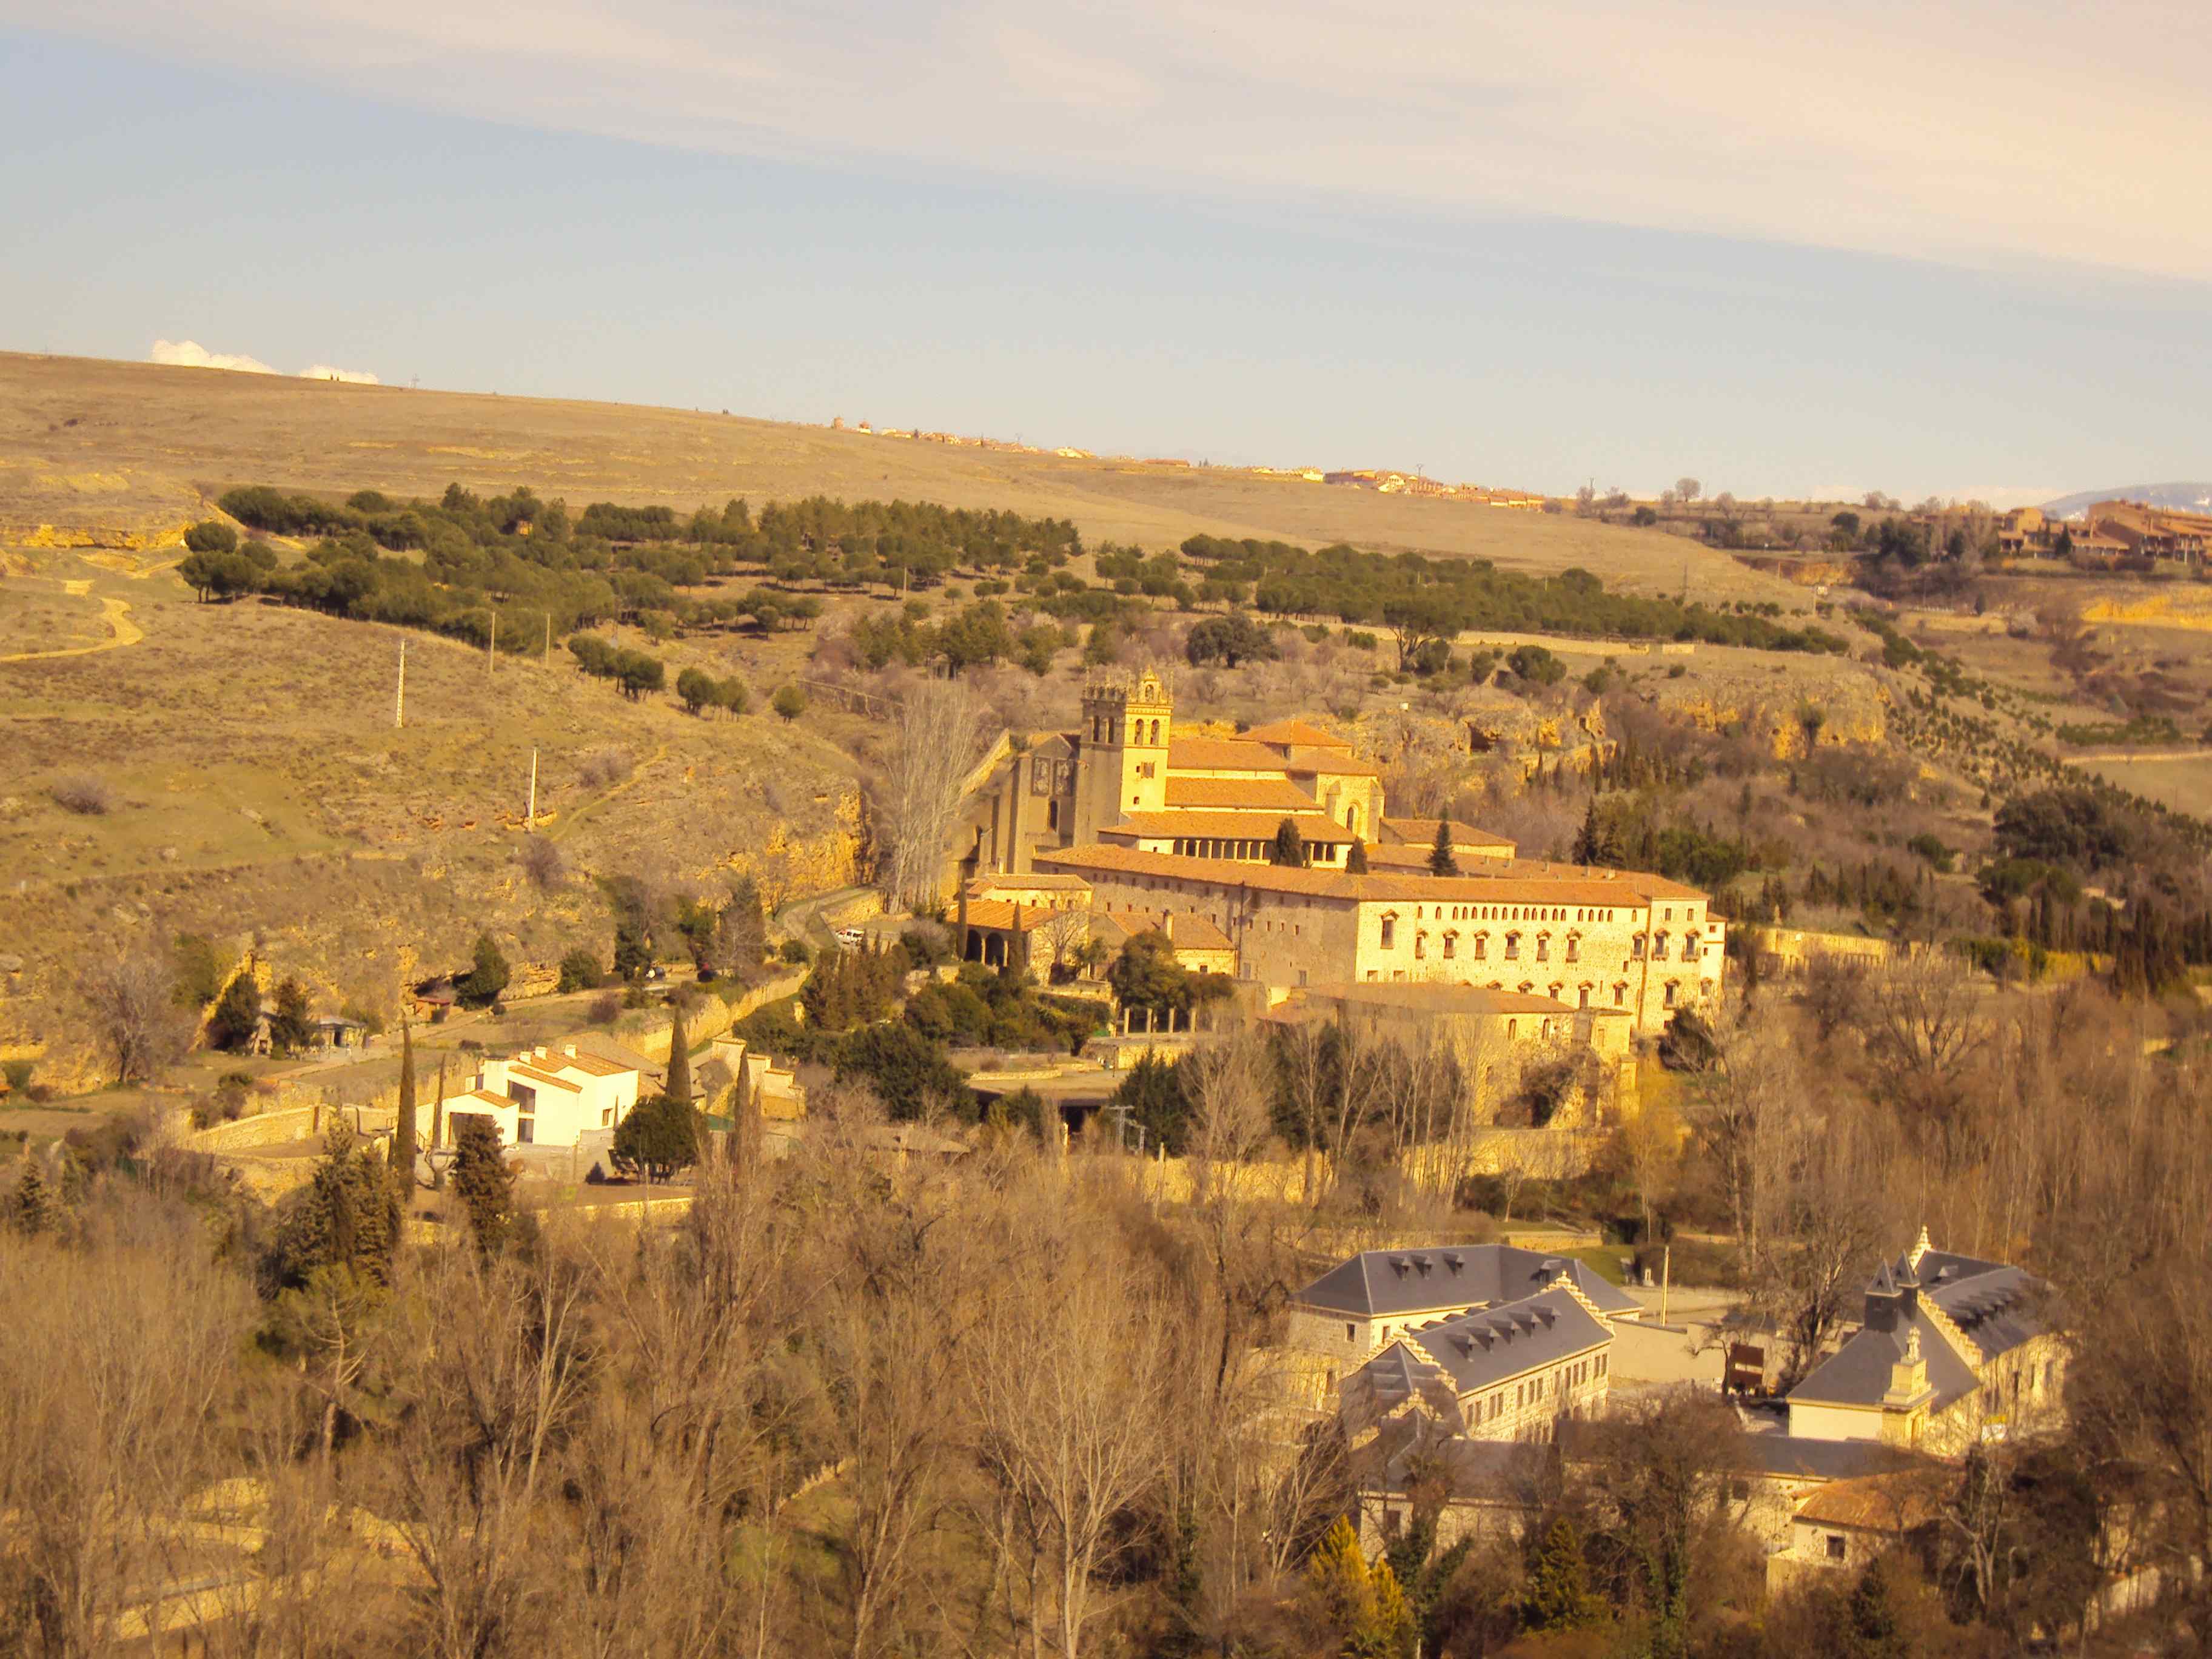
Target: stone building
1124	770
1356	1312
1588	939
1949	1349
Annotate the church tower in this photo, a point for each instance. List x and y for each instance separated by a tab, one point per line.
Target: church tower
1124	761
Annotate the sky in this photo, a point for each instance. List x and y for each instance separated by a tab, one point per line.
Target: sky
1786	249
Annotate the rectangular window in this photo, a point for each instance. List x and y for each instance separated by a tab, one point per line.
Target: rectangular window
1835	1546
526	1130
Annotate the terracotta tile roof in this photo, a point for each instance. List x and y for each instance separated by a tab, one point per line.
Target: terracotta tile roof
1242	826
1423	831
518	1069
590	1065
1221	754
1329	762
1617	888
1295	732
984	886
999	913
1256	794
1894	1502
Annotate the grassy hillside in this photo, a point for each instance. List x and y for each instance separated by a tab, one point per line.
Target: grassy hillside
122	454
258	792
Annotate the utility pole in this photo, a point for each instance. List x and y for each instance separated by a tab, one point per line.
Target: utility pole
400	696
534	789
549	636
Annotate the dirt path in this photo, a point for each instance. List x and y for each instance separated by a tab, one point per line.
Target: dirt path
117	614
2129	756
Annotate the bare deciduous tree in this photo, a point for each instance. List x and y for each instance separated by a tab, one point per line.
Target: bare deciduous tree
1923	1031
132	1002
936	738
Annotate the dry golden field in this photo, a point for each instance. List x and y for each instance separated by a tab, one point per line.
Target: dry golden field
118	453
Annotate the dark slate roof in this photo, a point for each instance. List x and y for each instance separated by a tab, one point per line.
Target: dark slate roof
1858	1374
1449	1279
1496	1471
1793	1457
1994	1305
1481	1349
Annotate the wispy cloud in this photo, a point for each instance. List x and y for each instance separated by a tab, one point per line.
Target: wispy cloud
1981	131
190	353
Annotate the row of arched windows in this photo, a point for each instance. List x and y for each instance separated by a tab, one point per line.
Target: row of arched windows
1104	728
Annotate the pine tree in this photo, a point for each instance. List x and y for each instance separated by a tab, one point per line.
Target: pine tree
1289	847
403	1128
1441	861
679	1060
1355	861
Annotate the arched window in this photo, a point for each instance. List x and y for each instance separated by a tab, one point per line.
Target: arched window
1390	933
1420	945
1352	819
1574	947
1451	946
1513	947
1543	947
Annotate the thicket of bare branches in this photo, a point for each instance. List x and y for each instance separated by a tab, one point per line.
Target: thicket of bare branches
935	736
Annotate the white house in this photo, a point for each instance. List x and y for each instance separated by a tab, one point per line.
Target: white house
547	1097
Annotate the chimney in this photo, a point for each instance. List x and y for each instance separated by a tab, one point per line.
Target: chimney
1882	1303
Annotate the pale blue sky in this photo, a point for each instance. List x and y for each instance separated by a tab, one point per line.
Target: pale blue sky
1129	251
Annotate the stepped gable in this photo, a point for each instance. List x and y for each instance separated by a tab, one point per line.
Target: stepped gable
1480	1349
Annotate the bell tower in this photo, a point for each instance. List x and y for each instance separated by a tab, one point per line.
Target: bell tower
1124	760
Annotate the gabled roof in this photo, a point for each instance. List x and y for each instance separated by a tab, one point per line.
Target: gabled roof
1800	1457
590	1065
1423	832
1295	734
984	886
1491	1345
1448	1278
1616	888
1858	1374
517	1068
1993	1304
1313	825
1329	763
1000	914
1897	1501
1250	794
1222	755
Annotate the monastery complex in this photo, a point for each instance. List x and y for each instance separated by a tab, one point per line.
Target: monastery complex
1125	818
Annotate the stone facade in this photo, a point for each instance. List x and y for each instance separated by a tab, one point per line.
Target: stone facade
1588	939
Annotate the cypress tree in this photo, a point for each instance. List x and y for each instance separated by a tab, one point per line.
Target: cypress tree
1355	861
31	1206
402	1129
679	1060
1441	861
1289	847
483	1181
